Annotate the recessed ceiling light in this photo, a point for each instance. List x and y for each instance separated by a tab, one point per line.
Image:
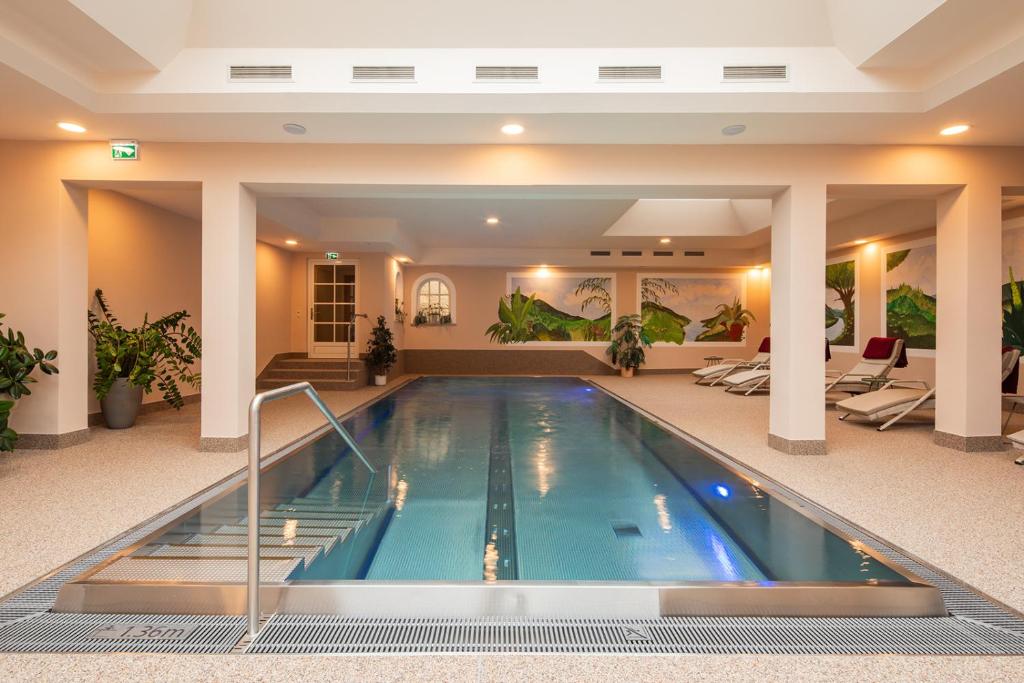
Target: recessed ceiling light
492	220
860	241
734	129
955	129
403	259
294	128
664	240
512	129
543	271
291	243
71	127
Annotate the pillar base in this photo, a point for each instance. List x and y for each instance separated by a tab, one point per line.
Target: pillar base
795	446
968	444
51	442
223	444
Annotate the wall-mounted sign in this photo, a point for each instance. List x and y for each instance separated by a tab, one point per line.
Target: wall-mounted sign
124	150
331	255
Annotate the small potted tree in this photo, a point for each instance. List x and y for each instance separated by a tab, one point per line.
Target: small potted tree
17	363
381	354
129	361
628	342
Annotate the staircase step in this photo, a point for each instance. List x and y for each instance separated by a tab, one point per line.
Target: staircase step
315	515
298	526
316	364
192	570
327	539
302	374
318	384
307	553
302	506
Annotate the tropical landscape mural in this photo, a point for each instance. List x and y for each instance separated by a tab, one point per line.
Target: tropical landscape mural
910	295
693	308
840	300
568	307
1013	303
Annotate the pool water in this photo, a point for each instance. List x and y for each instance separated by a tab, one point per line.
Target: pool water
542	479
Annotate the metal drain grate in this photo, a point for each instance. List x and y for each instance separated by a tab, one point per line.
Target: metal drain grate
298	634
52	632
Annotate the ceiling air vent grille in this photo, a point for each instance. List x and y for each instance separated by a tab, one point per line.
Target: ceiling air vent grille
260	73
632	253
383	73
663	253
629	73
600	253
507	73
755	72
693	253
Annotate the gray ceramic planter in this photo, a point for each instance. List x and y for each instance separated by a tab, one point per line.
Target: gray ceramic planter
121	405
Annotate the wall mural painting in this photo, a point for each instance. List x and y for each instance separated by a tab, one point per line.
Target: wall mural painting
910	294
840	303
565	307
1013	301
694	308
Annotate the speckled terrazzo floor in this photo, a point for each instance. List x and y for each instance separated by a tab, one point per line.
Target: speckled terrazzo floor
959	511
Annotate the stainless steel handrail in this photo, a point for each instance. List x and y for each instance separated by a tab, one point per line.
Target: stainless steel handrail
252	585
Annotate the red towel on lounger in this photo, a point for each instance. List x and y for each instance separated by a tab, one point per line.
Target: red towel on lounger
880	348
766	345
1010	383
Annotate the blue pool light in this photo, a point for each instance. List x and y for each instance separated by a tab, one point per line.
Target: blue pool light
722	490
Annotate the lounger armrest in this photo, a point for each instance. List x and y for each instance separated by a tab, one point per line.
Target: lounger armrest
848	375
907	384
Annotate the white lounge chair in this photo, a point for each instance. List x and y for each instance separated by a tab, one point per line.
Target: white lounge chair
898	398
757	379
713	374
872	367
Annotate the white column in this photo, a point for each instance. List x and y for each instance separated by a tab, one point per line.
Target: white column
968	318
229	313
797	406
74	299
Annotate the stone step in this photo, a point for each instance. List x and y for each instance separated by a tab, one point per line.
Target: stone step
194	570
315	364
301	374
333	525
327	538
318	384
303	506
307	553
307	515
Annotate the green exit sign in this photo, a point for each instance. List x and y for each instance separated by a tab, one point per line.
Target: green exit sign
331	255
124	150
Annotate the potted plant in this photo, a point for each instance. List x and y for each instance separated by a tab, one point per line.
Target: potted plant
381	354
130	361
628	342
735	319
17	363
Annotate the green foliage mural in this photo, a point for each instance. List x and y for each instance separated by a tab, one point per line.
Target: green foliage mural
1013	313
671	307
840	305
558	309
910	304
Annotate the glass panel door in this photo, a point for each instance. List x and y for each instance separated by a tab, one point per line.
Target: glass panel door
332	293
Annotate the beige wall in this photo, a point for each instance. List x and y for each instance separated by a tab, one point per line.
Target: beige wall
478	289
273	303
146	260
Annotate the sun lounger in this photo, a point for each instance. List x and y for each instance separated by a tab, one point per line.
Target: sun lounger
713	374
881	355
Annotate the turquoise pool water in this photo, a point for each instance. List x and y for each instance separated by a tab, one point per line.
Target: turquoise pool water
536	479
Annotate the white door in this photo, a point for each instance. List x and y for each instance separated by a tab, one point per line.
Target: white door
332	308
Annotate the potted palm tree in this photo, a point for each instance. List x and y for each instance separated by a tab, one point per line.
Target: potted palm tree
628	343
130	361
381	354
17	363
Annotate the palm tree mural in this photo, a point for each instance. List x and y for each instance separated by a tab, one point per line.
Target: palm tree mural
1013	315
841	278
653	288
596	291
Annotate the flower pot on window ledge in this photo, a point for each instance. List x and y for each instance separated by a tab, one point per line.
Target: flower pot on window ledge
121	404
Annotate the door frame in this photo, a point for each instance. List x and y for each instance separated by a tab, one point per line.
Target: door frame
338	349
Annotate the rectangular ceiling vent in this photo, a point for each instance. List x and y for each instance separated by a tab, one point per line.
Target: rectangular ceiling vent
755	72
600	253
693	253
663	253
383	73
507	73
632	253
281	72
629	73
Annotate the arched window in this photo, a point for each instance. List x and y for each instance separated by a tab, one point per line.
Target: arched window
434	299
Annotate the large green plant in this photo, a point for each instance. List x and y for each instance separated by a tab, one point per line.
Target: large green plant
628	342
381	353
17	363
160	352
513	324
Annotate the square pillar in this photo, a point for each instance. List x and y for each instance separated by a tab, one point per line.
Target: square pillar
968	318
796	421
229	314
